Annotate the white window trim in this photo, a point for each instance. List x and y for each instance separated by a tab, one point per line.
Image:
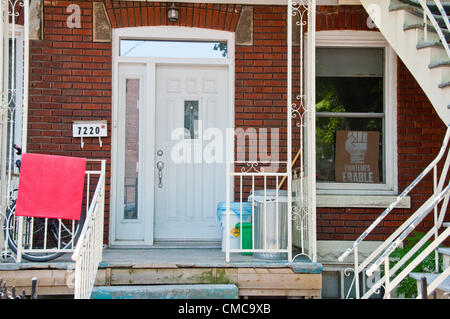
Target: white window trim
369	39
352	201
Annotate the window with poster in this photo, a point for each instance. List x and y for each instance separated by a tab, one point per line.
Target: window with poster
355	117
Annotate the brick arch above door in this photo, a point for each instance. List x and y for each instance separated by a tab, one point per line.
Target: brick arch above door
124	14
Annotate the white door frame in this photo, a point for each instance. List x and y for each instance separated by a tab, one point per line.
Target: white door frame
157	33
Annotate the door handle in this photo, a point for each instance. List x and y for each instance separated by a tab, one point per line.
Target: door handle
160	167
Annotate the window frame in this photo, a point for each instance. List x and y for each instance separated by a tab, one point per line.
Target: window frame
369	39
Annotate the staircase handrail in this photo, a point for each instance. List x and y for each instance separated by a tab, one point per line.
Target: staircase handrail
399	198
90	216
88	251
407	231
435	24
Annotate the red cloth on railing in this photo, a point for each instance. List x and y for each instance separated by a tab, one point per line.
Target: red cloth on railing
51	186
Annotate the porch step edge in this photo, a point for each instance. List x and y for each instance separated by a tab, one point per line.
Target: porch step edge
444	286
206	291
444	251
444	84
439	64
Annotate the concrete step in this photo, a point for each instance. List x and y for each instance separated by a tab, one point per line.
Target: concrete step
219	291
414	9
431	5
444	251
439	64
431	31
444	286
429	44
444	84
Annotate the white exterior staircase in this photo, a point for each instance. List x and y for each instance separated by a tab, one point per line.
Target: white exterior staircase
419	32
402	24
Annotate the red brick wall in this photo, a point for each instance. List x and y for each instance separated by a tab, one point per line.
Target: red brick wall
71	80
135	14
341	18
71	76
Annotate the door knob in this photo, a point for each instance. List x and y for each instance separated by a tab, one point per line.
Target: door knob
160	167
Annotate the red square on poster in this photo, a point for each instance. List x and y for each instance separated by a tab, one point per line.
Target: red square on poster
50	186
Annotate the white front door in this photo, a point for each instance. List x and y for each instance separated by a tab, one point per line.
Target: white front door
189	180
171	123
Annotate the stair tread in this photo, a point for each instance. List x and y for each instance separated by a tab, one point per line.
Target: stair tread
415	10
430	4
420	25
444	84
191	291
439	63
428	44
444	286
444	250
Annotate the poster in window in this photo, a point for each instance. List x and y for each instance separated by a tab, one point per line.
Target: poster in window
357	156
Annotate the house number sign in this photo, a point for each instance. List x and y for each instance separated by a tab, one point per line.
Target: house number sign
90	129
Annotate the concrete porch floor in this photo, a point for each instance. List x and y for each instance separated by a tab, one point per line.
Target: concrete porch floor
202	257
175	266
170	257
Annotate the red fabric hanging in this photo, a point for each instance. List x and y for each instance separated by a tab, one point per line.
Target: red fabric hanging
50	186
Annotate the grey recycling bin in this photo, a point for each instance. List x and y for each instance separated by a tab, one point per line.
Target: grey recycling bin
270	234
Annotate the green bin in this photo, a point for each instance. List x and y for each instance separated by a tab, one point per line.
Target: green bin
246	234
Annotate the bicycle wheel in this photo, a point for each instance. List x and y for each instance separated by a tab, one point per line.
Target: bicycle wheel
35	227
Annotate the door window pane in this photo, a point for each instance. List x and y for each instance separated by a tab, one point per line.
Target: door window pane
191	119
131	149
174	49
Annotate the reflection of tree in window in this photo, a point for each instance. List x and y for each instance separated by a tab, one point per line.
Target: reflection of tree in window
328	101
222	46
344	95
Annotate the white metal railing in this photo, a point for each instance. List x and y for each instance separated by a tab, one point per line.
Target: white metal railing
44	239
271	231
277	209
88	251
14	77
380	256
270	213
427	14
389	283
302	215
